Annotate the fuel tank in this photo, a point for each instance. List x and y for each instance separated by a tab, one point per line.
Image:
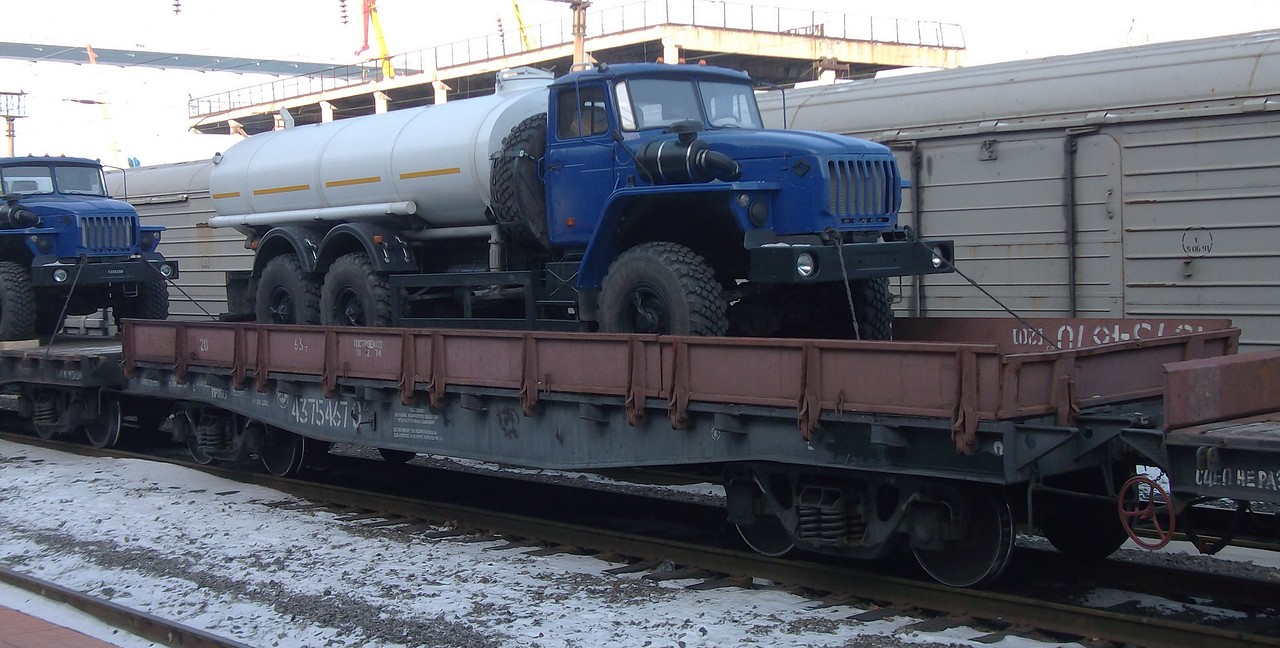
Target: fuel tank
432	162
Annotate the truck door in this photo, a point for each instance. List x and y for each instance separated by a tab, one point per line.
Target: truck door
579	163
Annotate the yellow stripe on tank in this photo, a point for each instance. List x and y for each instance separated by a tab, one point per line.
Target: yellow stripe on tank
229	194
276	190
430	173
353	181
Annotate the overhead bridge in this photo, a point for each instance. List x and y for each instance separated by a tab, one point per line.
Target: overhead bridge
774	45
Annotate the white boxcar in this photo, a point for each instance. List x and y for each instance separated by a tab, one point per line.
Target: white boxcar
177	197
1135	182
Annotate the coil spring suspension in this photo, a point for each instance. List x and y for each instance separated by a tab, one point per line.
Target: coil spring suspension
828	516
44	413
213	435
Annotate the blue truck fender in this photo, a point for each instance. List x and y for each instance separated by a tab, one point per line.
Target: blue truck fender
603	249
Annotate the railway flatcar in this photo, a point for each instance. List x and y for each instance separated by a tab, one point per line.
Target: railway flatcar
944	441
1138	182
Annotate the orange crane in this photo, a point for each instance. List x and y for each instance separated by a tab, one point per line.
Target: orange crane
370	17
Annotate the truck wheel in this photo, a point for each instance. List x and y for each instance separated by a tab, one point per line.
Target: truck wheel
152	302
285	295
662	288
519	207
355	295
17	303
873	306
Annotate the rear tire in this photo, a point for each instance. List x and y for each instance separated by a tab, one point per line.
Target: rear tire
17	303
355	295
662	288
285	295
152	302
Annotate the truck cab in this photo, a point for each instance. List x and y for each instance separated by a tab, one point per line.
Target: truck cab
68	248
652	165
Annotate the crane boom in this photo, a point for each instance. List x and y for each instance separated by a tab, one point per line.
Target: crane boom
370	15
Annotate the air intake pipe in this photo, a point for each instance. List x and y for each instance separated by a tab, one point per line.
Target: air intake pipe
687	159
13	216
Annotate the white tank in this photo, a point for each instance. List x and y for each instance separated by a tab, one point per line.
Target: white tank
432	161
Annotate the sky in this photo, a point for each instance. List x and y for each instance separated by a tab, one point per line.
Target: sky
116	113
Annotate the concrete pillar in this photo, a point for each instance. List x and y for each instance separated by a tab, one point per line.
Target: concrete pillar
441	91
380	102
326	112
670	51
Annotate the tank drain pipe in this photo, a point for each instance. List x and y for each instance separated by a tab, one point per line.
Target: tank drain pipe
349	212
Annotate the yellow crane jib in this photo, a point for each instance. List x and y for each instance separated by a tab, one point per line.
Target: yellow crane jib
370	11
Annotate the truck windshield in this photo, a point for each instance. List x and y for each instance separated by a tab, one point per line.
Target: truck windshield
27	180
658	103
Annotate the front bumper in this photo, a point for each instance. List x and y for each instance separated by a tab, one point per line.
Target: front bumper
98	273
777	263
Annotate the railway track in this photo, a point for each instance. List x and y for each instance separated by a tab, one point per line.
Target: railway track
997	613
142	624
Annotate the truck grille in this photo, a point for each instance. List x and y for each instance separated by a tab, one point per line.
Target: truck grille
107	234
864	190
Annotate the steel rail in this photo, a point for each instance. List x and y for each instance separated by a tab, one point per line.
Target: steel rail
902	593
142	624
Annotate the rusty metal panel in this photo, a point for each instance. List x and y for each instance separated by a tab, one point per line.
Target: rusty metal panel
1047	333
742	372
482	359
210	346
909	379
368	353
597	365
149	341
1219	389
289	349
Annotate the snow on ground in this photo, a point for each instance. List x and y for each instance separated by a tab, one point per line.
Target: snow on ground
220	555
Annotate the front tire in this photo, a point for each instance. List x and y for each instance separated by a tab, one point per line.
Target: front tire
662	288
285	295
355	295
17	303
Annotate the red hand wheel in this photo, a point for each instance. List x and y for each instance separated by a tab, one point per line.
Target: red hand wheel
1157	510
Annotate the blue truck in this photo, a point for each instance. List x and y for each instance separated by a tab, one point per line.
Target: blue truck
632	198
67	248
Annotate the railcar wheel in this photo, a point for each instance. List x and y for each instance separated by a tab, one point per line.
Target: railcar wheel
282	452
104	430
355	295
1084	529
285	294
985	543
183	427
662	288
767	536
396	456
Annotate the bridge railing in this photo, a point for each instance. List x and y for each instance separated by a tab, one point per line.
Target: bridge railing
605	21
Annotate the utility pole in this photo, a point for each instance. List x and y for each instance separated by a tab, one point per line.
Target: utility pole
12	106
579	8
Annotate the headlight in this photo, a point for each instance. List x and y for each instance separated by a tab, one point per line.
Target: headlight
166	270
59	276
806	265
937	258
758	213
